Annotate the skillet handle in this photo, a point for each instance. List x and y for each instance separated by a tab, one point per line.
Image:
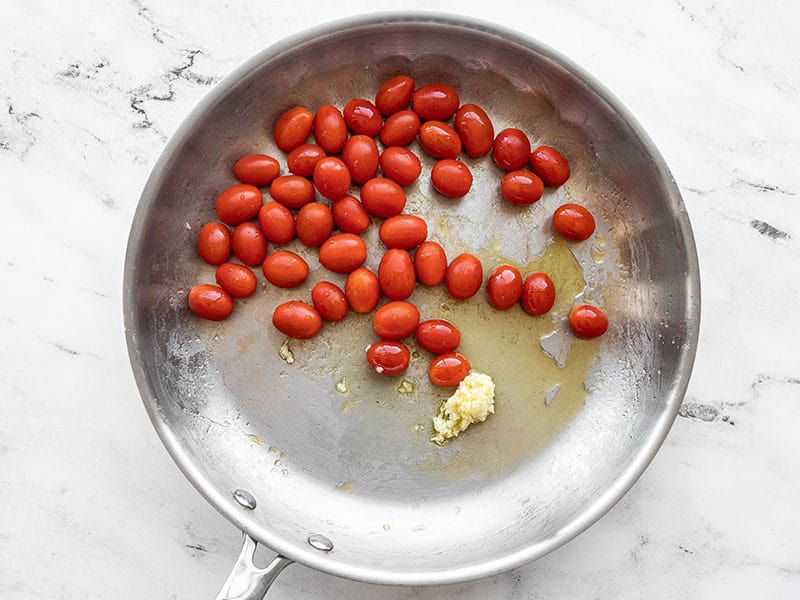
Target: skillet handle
247	581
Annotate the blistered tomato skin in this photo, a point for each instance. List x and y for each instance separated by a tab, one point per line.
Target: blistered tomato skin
214	243
439	139
464	276
314	224
276	222
587	321
210	302
394	94
400	129
448	370
329	300
237	280
475	129
361	156
438	336
511	149
396	274
238	203
249	244
330	129
343	253
388	357
383	197
362	290
538	294
332	178
521	187
504	287
435	101
256	169
403	231
395	320
362	117
452	178
292	191
573	222
549	164
400	165
293	128
349	215
297	320
430	263
301	160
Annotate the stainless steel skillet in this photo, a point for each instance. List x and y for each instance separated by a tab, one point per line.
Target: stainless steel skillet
329	465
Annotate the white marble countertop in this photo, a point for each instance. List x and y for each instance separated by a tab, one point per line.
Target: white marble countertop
91	505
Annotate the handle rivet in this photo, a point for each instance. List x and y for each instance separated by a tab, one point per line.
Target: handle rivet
320	542
245	499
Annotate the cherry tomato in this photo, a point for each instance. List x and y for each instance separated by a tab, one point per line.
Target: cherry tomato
439	139
430	263
249	244
332	178
238	203
504	287
475	130
383	197
349	215
451	177
394	94
449	369
550	165
538	294
438	336
362	290
395	320
293	128
297	320
210	302
256	169
573	222
214	243
396	274
277	222
521	187
330	129
400	165
362	117
342	253
400	129
292	191
314	224
464	276
435	101
329	300
388	357
301	160
285	269
237	280
361	156
511	149
587	321
403	231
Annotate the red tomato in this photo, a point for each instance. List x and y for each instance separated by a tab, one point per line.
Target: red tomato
396	274
438	336
573	222
214	243
361	156
464	276
249	244
256	169
362	290
332	178
293	128
349	215
395	320
403	231
292	191
329	300
550	165
297	320
400	129
439	139
388	357
330	129
342	253
314	224
538	294
362	117
475	130
277	222
285	269
301	160
394	94
451	177
504	287
587	321
238	203
400	165
448	369
210	302
430	263
521	187
511	149
238	281
383	197
437	101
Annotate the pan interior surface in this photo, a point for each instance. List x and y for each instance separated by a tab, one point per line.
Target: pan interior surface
328	447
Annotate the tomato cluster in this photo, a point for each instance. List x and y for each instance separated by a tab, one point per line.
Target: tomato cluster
345	153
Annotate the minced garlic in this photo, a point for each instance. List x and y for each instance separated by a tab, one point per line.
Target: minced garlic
472	402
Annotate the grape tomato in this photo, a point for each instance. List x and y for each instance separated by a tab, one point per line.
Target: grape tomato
438	336
237	280
276	222
285	269
400	165
464	276
362	117
395	320
511	149
403	231
301	160
292	191
439	139
475	129
549	164
400	129
362	290
448	370
293	128
349	215
210	302
329	300
249	244
343	253
383	197
451	178
256	169
314	224
430	263
361	156
396	274
394	94
504	286
587	321
573	222
521	187
297	320
332	178
330	129
214	243
388	357
538	294
238	203
435	101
